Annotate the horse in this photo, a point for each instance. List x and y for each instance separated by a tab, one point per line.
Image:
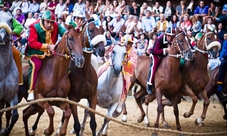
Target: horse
211	88
110	86
84	80
166	83
9	77
53	79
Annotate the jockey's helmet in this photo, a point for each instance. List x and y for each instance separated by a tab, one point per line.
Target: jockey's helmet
127	38
170	31
47	15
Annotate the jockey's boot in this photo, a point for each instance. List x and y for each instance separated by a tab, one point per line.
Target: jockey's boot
149	89
220	94
30	96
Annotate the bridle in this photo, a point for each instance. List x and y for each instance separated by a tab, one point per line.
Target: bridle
66	56
182	53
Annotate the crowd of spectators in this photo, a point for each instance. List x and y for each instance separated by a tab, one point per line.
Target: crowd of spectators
145	22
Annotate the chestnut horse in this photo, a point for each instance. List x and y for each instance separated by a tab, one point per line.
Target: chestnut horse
53	79
84	80
211	88
167	78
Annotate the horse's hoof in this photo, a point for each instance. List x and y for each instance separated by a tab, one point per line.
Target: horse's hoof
140	119
153	134
99	134
2	132
147	125
165	124
32	132
225	117
199	122
124	118
47	133
187	115
72	131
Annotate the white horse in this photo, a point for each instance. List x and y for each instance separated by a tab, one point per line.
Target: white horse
110	86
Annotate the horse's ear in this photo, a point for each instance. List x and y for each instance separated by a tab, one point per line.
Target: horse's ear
87	16
68	27
177	30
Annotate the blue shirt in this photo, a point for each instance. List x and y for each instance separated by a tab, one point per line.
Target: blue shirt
223	53
148	24
224	8
200	10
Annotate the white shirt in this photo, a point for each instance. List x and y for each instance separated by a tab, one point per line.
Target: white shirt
59	9
14	7
116	24
25	7
28	22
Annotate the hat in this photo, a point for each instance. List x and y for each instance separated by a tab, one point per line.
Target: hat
126	39
170	31
1	3
47	15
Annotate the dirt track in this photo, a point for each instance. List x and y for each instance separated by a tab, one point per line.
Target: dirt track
213	122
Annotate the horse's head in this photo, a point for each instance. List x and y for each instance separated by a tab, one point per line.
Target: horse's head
5	31
184	48
96	39
209	42
118	57
72	44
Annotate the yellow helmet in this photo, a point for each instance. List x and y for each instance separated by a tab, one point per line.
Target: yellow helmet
127	38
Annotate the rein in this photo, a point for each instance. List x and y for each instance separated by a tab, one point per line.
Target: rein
66	56
91	49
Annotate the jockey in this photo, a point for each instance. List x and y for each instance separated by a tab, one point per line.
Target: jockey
17	30
41	41
222	70
129	63
159	50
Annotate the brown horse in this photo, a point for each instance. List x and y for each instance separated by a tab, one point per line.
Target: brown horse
84	80
211	88
53	79
167	78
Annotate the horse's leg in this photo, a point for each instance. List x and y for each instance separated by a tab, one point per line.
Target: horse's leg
15	115
61	123
8	115
124	117
148	99
34	127
225	110
50	111
165	102
83	123
1	113
175	101
27	112
92	104
139	97
200	121
159	107
194	101
76	125
103	130
67	113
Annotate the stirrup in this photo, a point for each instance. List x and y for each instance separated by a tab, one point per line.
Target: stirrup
30	96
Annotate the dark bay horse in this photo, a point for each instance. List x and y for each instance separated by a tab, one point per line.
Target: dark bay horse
211	88
84	80
53	79
9	76
167	78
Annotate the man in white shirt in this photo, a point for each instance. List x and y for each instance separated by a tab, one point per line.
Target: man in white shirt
144	8
79	6
116	23
157	10
60	8
15	5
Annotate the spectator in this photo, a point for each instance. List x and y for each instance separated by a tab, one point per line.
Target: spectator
99	7
137	27
106	9
29	20
79	7
157	10
221	32
115	4
151	42
144	8
126	10
52	6
161	25
43	6
210	25
213	11
134	10
19	16
141	45
201	11
120	8
15	6
68	9
196	25
34	7
24	6
107	19
117	24
174	22
148	24
223	18
169	11
60	8
69	18
181	10
129	24
186	24
191	8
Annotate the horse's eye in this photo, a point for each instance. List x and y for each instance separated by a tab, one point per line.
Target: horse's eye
113	52
90	30
70	38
